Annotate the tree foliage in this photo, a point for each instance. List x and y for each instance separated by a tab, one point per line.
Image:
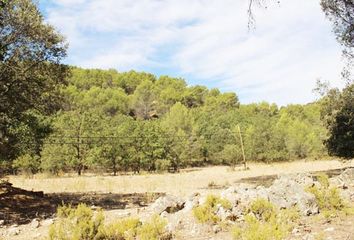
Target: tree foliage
30	72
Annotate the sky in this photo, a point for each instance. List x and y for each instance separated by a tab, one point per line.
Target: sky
206	42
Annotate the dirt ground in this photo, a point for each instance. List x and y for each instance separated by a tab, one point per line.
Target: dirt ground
128	195
180	184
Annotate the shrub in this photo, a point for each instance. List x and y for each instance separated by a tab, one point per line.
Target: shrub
327	198
255	229
82	224
27	164
125	229
76	223
154	229
162	165
207	211
265	222
262	209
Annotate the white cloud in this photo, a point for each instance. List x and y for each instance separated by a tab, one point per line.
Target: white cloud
207	40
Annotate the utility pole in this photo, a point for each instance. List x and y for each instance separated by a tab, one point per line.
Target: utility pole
242	148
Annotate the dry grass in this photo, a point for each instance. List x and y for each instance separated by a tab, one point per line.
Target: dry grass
181	184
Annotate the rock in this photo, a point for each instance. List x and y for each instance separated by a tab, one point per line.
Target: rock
192	202
289	191
222	213
345	179
330	229
2	222
170	204
47	222
34	223
164	214
216	228
13	231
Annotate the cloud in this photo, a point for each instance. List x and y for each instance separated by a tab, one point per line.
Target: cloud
208	42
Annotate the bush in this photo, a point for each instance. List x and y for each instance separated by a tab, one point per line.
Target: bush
154	229
162	165
328	198
125	229
207	212
258	230
82	224
76	224
265	222
262	209
27	164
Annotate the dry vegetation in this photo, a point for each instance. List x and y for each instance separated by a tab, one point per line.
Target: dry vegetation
180	184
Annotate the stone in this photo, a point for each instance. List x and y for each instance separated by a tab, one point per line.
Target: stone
289	191
170	204
330	229
47	222
34	223
13	231
216	228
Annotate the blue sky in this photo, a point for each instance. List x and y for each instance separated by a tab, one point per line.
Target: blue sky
205	42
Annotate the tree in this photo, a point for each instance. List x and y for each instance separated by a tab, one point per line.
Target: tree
340	122
75	132
30	69
144	100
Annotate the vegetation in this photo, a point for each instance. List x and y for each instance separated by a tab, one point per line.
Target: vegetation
264	222
206	213
110	121
30	77
82	223
328	199
102	127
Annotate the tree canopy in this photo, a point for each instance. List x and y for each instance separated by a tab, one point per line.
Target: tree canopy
30	74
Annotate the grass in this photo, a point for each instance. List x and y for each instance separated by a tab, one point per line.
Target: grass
264	222
328	199
81	223
181	184
206	213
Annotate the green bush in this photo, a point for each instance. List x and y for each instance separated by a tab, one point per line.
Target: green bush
154	229
27	164
265	222
162	165
207	211
255	229
76	224
125	229
82	223
262	209
328	198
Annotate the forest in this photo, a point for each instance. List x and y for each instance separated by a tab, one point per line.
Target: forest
132	121
58	118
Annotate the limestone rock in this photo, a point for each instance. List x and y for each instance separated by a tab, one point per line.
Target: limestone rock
168	203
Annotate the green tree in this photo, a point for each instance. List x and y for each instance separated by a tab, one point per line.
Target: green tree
30	73
340	123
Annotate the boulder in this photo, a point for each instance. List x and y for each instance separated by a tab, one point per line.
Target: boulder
345	179
289	191
169	204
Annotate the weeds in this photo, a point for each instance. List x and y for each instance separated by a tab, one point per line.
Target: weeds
82	223
207	211
76	223
328	199
264	222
